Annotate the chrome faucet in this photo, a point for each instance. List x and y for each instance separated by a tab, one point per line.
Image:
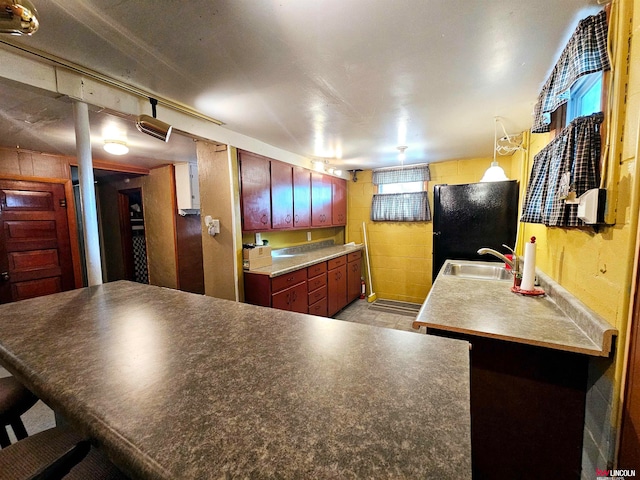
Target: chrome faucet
513	264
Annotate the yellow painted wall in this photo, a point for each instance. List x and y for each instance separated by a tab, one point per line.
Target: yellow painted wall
281	239
401	252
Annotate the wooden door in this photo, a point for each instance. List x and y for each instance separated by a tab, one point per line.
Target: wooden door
301	197
35	248
256	192
320	200
629	450
338	201
281	195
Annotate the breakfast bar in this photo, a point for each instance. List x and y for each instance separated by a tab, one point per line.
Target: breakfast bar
176	385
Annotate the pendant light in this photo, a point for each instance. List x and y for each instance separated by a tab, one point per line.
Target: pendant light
494	173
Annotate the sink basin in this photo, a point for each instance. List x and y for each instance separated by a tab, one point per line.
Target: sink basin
480	271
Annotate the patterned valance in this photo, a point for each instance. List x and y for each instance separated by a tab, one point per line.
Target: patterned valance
569	163
585	53
401	207
414	173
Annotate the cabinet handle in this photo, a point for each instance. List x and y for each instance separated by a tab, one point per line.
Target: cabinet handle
290	279
294	296
296	219
288	299
287	219
263	219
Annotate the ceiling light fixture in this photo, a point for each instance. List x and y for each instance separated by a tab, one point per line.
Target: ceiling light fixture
116	147
152	126
494	173
18	17
324	167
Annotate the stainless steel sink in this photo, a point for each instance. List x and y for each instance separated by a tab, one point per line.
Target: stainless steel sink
482	271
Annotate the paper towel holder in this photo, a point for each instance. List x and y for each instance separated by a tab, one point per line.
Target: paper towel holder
591	206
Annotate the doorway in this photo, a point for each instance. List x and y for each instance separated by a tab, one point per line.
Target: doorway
134	244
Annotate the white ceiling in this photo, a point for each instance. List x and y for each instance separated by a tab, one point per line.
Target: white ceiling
345	79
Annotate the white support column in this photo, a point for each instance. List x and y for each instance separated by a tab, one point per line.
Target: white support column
87	193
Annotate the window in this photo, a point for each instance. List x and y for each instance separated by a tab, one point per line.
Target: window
585	97
403	187
402	195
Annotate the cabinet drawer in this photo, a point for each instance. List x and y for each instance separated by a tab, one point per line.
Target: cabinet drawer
316	269
319	308
353	256
317	282
287	280
336	262
317	294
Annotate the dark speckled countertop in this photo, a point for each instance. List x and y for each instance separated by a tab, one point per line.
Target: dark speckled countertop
488	308
181	386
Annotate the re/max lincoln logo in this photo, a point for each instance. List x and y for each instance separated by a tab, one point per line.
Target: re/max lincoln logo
611	474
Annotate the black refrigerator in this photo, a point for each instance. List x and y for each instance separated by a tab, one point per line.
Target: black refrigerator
470	216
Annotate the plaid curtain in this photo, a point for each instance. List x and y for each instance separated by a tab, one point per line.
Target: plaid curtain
415	173
400	207
585	53
570	162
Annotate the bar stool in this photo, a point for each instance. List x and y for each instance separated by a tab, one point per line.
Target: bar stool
15	399
56	453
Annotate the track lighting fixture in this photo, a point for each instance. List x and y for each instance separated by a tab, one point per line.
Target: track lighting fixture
152	126
18	17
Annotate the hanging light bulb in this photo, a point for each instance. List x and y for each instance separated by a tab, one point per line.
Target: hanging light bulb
402	156
494	173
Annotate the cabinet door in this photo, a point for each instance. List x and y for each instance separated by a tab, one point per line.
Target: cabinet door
338	201
293	298
299	298
336	289
256	192
354	276
281	195
320	200
301	197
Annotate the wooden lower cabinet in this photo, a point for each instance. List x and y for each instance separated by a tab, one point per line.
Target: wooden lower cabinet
527	409
293	298
354	275
336	285
322	289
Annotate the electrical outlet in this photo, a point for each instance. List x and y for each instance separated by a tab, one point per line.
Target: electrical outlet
258	239
308	236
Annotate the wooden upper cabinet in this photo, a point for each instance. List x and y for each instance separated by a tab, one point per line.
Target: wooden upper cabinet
281	195
301	197
338	201
256	191
321	187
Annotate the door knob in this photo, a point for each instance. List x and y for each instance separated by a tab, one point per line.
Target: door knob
4	276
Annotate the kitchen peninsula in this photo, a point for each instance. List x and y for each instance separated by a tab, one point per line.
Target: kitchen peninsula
529	368
177	385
